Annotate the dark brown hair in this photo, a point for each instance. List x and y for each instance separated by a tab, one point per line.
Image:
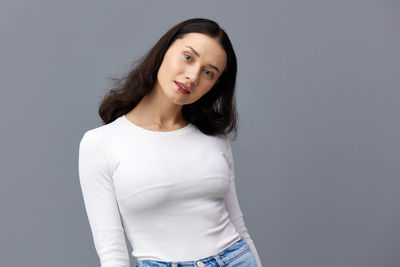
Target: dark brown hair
213	114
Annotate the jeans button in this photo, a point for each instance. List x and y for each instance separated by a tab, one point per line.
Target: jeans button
200	264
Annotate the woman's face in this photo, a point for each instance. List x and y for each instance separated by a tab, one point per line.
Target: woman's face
195	62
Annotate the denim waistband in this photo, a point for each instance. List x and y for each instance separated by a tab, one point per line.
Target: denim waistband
223	258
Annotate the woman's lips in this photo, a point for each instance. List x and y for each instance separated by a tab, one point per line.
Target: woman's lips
180	88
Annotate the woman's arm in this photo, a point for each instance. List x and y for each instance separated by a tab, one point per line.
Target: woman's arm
233	207
100	202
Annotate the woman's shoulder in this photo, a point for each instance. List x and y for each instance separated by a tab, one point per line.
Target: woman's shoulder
220	142
104	132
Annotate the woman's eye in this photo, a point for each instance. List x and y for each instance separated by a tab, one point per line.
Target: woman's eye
187	57
209	73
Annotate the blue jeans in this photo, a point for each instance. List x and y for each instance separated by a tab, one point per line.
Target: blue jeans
237	255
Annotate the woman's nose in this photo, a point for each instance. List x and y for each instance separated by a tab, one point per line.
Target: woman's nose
193	76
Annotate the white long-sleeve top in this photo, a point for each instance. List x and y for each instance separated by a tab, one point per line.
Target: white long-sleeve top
173	193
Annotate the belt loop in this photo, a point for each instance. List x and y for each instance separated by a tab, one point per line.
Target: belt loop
218	259
174	264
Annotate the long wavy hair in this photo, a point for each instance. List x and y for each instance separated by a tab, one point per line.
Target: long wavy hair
213	114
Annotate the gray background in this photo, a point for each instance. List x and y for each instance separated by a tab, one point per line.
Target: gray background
317	158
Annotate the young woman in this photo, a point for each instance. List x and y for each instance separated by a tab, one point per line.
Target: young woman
161	168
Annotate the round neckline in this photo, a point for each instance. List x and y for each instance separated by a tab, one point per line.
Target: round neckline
180	130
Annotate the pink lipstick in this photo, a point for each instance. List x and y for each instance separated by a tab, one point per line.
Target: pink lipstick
182	88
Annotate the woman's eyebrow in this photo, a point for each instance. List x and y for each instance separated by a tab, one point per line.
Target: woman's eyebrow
194	51
197	54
